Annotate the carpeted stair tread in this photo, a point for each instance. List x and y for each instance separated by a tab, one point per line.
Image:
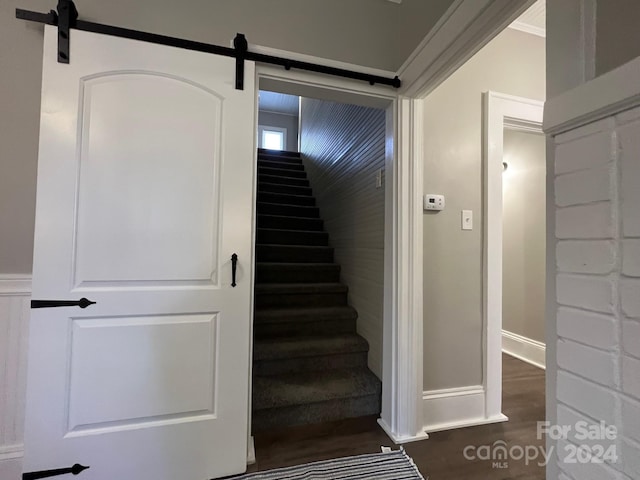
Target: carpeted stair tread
279	391
301	211
289	222
293	253
278	153
281	172
282	180
299	288
301	272
294	167
264	187
280	158
286	199
319	314
272	236
295	347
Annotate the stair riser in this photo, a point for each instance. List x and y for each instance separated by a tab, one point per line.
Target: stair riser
310	364
282	172
286	189
284	237
269	197
281	180
315	413
292	329
301	300
281	159
290	223
268	253
306	274
281	166
288	210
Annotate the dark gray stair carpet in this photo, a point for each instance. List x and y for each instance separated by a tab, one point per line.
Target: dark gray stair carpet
287	210
289	322
289	222
274	272
309	363
293	253
297	354
301	398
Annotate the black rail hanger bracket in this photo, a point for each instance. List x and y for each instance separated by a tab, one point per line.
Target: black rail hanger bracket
66	19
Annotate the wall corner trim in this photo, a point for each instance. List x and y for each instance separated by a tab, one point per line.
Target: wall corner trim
525	349
461	32
601	97
15	284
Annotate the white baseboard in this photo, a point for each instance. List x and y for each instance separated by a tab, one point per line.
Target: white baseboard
523	348
251	451
401	440
455	408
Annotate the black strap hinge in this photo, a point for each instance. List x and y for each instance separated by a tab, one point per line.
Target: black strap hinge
75	470
82	303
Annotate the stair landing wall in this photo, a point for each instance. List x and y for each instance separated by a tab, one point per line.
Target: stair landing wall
342	148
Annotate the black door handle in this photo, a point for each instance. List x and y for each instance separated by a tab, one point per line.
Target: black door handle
82	303
234	264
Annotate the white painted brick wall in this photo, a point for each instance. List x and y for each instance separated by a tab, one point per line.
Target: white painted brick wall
585	256
585	221
585	186
589	292
631	337
587	327
587	362
631	257
597	192
592	400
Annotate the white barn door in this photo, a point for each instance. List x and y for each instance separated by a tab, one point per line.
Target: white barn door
145	186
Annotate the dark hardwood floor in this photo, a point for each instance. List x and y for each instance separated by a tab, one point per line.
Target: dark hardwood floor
438	458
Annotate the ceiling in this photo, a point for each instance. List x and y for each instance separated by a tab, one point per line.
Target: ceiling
532	20
278	103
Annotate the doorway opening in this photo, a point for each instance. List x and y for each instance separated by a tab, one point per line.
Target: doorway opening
320	262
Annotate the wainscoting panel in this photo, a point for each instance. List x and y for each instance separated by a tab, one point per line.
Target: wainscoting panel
15	295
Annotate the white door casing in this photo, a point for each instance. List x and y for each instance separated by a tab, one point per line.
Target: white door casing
524	114
145	190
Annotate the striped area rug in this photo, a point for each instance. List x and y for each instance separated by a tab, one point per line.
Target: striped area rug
394	465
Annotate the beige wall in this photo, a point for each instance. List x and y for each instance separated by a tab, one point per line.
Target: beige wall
362	32
512	63
343	146
617	33
524	237
416	17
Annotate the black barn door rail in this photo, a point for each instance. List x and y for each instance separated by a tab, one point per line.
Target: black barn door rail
66	19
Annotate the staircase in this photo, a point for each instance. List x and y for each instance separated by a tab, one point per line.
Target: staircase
309	364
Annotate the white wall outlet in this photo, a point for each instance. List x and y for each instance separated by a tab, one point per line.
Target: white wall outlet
433	202
467	219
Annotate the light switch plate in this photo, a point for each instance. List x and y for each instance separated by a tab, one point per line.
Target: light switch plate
467	219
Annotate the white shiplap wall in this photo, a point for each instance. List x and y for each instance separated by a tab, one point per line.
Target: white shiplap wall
343	147
15	294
